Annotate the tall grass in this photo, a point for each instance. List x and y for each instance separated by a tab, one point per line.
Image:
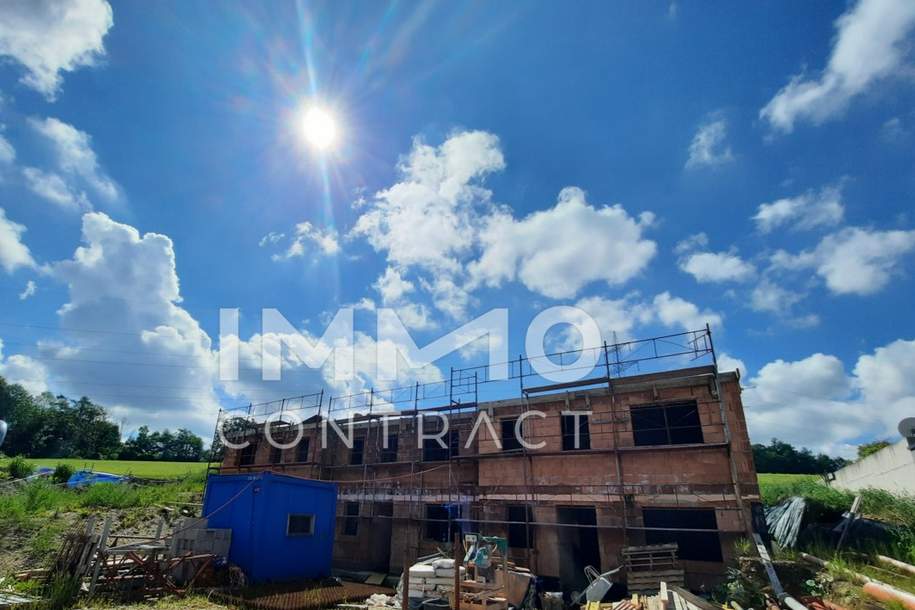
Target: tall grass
40	511
825	503
41	497
875	503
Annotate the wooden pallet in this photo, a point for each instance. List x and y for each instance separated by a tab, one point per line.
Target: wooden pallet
650	581
647	566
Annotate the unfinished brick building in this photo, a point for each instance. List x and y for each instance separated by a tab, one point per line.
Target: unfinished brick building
661	456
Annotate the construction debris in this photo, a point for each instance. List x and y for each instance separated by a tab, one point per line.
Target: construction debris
784	521
14	600
299	597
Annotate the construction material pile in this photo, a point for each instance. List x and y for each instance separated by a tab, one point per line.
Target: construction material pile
433	578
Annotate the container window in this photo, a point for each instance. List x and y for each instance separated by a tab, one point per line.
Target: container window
300	525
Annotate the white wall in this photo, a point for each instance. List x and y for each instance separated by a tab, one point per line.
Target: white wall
892	468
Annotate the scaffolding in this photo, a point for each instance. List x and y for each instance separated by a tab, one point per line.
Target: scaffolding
415	475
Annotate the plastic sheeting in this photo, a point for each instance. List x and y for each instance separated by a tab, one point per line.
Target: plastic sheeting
81	478
784	521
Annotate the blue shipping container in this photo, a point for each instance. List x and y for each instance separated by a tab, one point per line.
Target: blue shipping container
282	526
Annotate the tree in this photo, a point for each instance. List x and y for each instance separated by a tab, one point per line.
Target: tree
24	417
779	456
140	446
871	448
56	426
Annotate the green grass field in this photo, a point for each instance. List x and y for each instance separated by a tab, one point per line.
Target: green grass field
769	479
147	470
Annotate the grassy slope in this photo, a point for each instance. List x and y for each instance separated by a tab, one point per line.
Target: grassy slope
35	516
149	470
768	479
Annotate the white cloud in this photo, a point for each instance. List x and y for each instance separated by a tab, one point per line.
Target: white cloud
392	286
810	210
894	130
124	286
415	316
52	36
771	297
853	260
52	187
297	377
675	311
29	290
709	146
428	222
558	251
870	45
7	152
75	157
27	372
884	379
693	242
307	239
271	238
618	319
428	219
717	267
13	253
726	362
439	227
785	397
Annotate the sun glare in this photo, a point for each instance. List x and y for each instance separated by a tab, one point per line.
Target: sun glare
319	128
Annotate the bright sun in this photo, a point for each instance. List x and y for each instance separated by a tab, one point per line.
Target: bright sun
320	128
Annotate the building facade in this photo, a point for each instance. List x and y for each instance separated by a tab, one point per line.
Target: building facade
641	459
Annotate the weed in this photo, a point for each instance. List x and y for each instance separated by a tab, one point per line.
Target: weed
19	468
61	593
743	547
62	473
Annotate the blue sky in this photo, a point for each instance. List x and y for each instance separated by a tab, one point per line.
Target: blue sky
657	165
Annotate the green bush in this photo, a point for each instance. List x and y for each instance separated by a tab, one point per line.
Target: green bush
62	473
19	468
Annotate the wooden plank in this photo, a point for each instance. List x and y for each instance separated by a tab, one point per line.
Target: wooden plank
693	601
100	554
375	578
